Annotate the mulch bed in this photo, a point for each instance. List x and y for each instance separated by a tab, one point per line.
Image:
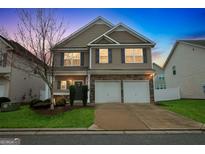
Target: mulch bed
61	109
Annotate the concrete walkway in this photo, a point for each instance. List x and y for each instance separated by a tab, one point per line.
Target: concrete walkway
140	117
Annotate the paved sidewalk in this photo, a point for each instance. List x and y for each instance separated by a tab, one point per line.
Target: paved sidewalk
140	117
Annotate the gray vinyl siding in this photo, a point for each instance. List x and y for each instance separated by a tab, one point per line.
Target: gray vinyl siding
23	83
87	36
117	62
124	37
190	71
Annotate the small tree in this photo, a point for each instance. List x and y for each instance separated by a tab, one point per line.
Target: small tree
39	30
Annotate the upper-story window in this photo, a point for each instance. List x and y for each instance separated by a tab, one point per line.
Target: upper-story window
71	59
174	70
103	55
134	55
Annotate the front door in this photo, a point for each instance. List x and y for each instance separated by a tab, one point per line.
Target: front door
78	90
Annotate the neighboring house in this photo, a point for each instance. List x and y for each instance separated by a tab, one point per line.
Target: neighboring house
185	68
16	79
113	60
159	79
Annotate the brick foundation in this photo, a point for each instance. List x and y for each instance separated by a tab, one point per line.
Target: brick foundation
121	78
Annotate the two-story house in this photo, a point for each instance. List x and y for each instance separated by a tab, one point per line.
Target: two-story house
185	68
16	79
113	60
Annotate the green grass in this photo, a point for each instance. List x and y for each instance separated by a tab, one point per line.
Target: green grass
26	118
194	109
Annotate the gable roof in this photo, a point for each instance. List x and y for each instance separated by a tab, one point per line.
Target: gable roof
131	31
82	29
196	43
6	41
105	37
199	43
20	50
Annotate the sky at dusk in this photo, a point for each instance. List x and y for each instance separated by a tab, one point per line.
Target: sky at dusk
163	26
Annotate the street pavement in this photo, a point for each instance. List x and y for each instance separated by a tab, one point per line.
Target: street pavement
110	139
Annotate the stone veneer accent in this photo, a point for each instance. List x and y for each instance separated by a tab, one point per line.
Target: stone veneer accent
120	77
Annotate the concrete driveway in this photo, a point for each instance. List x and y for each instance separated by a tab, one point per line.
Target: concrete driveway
140	117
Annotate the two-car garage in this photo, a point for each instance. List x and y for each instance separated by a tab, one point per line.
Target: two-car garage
127	91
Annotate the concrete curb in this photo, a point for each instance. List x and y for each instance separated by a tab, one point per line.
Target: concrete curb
94	129
99	132
61	131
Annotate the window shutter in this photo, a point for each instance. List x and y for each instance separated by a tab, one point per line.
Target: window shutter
144	55
123	55
82	58
97	56
58	84
110	55
62	59
4	59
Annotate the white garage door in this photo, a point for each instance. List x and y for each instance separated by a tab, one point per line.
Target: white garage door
136	91
107	92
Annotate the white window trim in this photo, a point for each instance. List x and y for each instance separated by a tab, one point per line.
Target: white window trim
134	57
107	56
71	60
61	85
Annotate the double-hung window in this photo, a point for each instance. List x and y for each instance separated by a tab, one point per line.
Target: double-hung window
134	55
72	59
103	56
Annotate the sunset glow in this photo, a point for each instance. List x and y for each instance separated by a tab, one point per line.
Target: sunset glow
163	26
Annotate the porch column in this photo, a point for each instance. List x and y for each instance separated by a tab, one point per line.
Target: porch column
88	88
90	58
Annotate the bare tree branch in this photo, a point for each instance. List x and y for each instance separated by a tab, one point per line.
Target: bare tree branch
4	32
38	31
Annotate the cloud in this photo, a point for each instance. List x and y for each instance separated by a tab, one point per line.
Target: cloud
158	57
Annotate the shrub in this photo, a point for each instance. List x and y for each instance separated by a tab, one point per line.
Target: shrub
61	102
34	101
37	103
84	94
3	100
72	94
47	100
7	106
41	105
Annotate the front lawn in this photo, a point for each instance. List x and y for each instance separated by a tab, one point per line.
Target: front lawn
27	118
194	109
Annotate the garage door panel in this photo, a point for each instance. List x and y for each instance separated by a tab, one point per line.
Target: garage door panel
107	91
136	91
